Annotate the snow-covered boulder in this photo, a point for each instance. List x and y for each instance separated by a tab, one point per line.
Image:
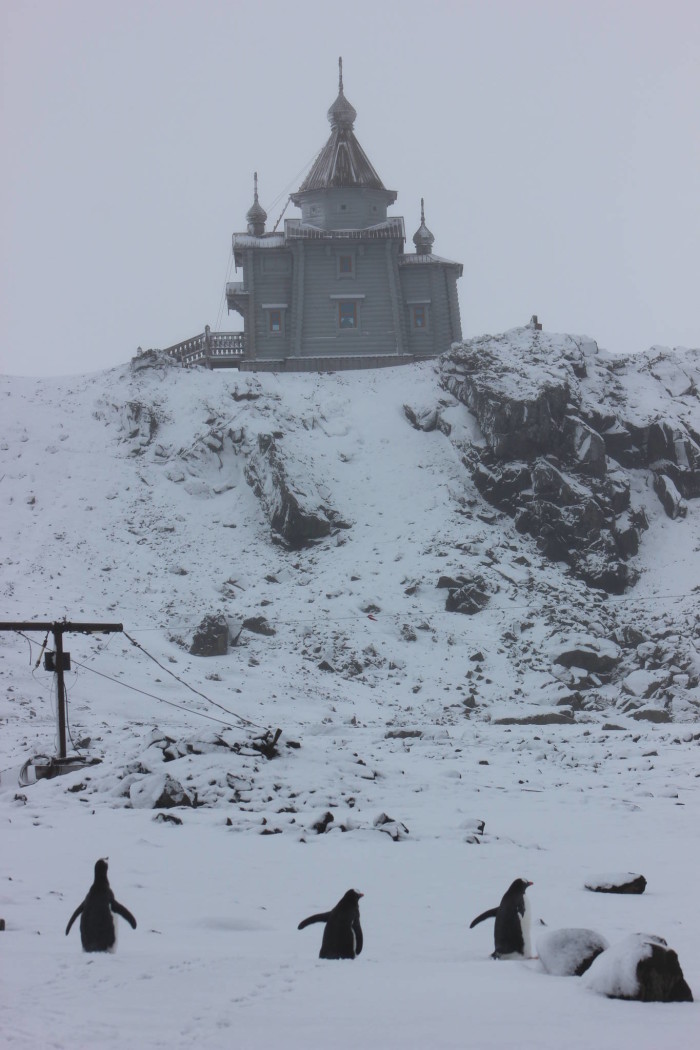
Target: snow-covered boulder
569	952
644	684
673	503
641	967
598	655
211	637
619	882
159	791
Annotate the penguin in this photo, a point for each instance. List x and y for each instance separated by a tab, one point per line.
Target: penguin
342	937
97	931
512	929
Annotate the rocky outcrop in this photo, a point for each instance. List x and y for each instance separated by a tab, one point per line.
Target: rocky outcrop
465	595
293	507
560	435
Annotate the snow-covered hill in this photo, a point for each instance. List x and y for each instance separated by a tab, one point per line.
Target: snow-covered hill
427	656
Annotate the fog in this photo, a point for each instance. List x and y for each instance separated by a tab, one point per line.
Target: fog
556	146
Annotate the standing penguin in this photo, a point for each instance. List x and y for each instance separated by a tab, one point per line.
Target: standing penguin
97	931
512	930
342	937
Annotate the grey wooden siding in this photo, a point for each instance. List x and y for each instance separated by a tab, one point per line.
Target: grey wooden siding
345	209
273	277
376	332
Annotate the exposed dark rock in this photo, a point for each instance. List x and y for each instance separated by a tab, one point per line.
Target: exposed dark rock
211	637
641	968
584	446
167	818
658	715
661	978
294	508
594	655
321	825
544	718
516	424
557	450
628	637
403	734
673	503
259	625
626	882
426	419
471	597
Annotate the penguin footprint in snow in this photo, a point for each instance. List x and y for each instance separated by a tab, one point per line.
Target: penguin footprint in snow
342	937
97	931
512	930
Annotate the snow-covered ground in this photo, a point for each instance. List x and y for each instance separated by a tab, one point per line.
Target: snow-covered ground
124	503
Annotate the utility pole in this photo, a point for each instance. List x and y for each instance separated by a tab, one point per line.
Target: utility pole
61	658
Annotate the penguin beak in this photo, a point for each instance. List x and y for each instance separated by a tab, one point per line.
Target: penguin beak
531	884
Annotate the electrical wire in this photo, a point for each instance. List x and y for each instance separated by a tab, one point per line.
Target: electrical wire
246	721
161	699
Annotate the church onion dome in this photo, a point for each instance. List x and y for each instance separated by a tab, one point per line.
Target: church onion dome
256	216
342	162
342	113
423	238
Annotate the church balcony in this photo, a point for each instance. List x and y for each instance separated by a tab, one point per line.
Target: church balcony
237	297
212	349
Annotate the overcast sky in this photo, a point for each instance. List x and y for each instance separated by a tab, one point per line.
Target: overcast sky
557	145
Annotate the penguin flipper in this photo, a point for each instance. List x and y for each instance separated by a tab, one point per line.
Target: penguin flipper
358	936
321	917
490	914
74	916
125	913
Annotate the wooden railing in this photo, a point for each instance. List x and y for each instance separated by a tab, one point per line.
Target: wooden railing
208	348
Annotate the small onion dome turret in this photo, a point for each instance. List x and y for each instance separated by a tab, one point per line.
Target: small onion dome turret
423	238
256	216
342	113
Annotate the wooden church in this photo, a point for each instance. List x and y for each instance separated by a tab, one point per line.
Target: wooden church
334	289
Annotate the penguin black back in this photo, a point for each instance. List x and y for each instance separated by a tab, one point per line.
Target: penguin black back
512	929
97	932
342	937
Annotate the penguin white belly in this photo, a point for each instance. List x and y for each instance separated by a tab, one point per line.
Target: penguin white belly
525	922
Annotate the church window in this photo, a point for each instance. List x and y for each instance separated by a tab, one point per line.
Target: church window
345	266
420	316
275	321
347	314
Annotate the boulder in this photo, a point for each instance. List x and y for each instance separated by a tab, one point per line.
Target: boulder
259	625
394	828
671	499
471	597
569	952
211	637
597	655
159	791
644	684
620	882
643	968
